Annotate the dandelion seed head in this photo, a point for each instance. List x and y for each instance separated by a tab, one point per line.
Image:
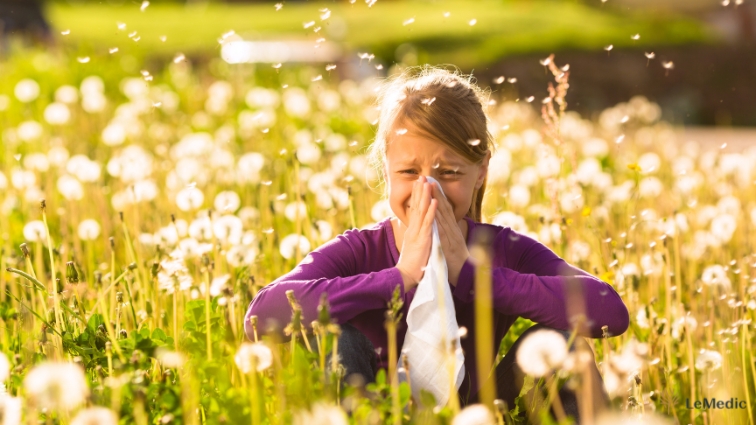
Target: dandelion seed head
56	386
26	90
95	416
475	414
541	352
257	353
708	360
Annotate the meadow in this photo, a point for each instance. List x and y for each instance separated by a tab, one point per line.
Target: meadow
141	213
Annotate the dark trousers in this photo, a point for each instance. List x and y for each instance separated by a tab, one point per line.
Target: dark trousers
357	355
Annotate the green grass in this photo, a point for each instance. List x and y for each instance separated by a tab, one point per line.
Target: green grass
502	28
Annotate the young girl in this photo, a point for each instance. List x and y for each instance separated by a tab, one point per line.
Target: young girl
432	123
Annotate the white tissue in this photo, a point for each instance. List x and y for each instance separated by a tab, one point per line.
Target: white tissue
431	320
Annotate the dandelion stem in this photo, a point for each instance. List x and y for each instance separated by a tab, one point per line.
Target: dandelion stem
484	335
58	316
208	339
555	400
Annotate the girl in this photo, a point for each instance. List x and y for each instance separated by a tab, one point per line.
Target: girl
432	123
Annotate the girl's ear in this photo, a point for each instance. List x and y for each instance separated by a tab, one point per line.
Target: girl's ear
483	170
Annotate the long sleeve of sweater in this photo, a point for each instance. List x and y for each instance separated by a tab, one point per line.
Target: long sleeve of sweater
336	268
538	285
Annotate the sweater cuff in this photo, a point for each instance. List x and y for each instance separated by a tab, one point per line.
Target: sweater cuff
464	289
395	279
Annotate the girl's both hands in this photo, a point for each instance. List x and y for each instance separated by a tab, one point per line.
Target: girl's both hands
426	204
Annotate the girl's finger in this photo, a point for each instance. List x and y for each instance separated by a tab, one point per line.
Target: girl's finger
425	199
430	216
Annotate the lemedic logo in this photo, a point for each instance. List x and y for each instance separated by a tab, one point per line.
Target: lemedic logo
713	403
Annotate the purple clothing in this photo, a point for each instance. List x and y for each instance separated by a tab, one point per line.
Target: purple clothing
357	271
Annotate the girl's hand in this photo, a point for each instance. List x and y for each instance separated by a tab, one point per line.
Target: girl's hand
416	245
453	242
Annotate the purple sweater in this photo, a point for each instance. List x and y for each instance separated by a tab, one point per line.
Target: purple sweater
356	270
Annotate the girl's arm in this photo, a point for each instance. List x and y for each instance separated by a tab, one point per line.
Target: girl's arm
535	285
332	268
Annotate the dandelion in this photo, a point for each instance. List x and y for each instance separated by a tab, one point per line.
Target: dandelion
56	386
10	407
26	90
169	358
257	352
29	131
288	245
295	208
228	229
95	416
475	414
708	360
189	198
70	188
716	275
67	94
57	113
5	368
89	230
35	231
321	413
240	255
541	352
173	274
227	201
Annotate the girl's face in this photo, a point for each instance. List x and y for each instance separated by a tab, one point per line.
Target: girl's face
412	154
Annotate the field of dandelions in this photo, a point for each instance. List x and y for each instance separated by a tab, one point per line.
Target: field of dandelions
140	215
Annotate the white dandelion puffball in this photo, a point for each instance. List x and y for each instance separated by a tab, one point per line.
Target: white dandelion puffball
34	231
293	208
29	131
26	90
240	255
92	85
716	275
95	416
57	386
89	230
83	168
321	414
382	209
541	352
57	113
11	409
189	198
289	243
227	201
5	367
519	196
114	134
708	360
169	358
70	188
296	102
256	351
67	94
476	414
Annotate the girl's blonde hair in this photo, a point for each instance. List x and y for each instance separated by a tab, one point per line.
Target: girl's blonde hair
446	106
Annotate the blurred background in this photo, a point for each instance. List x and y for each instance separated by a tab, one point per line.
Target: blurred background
616	48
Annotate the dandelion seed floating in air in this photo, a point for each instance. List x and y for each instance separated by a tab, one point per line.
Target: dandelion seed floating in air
309	24
179	58
133	34
545	62
619	139
428	102
635	37
278	6
473	142
163	38
498	80
408	21
725	3
83	59
379	67
512	80
609	47
324	14
473	22
667	66
276	65
530	99
145	3
65	32
121	25
318	78
370	3
401	131
330	67
112	50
